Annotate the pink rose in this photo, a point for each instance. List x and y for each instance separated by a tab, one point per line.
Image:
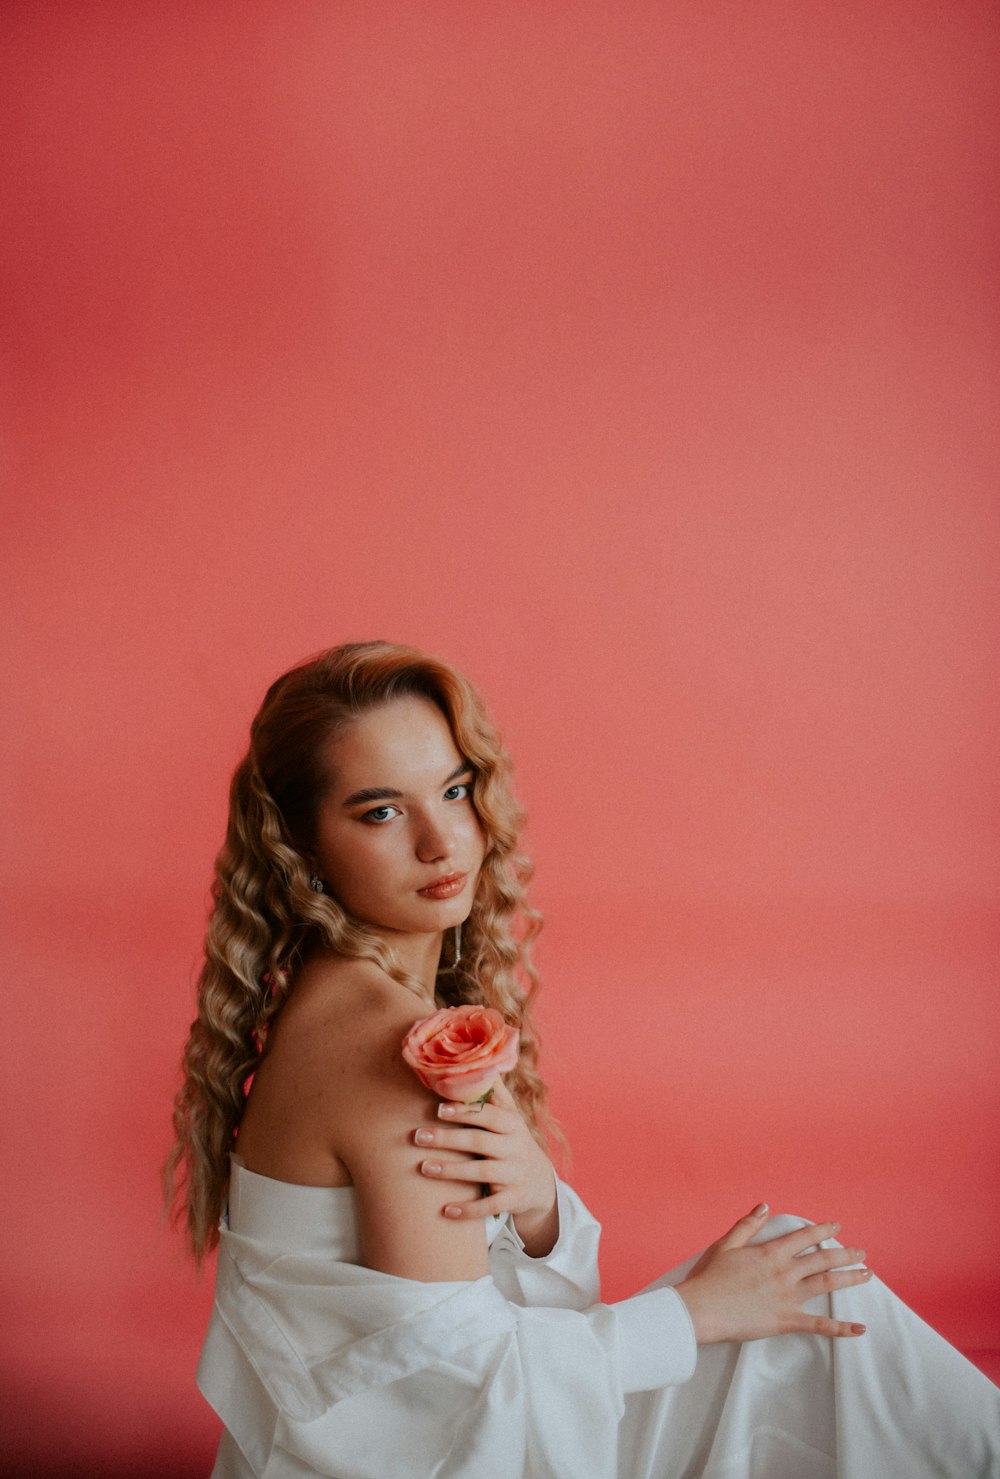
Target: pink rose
460	1052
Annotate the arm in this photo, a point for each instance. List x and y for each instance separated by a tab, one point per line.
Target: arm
545	1253
327	1357
402	1226
491	1144
417	1352
734	1292
368	1103
405	1230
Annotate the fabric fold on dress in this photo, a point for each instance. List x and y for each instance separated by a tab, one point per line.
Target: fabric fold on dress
314	1360
321	1367
565	1278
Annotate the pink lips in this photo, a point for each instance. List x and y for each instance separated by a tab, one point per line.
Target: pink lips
444	888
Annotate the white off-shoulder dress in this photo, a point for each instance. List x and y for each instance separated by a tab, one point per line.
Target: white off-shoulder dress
319	1366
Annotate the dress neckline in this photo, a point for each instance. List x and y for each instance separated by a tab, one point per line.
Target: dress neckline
238	1163
321	1218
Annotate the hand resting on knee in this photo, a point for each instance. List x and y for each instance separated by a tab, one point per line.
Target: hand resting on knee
741	1290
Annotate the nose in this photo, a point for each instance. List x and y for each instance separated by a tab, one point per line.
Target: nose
433	840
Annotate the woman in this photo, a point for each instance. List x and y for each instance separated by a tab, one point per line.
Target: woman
371	1321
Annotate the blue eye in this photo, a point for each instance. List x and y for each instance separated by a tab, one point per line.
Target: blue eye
459	792
379	814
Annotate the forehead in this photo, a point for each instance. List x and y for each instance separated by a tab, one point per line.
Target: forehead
408	737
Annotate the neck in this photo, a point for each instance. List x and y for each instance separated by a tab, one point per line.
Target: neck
421	956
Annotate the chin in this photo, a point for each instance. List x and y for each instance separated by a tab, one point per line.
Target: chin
423	921
446	915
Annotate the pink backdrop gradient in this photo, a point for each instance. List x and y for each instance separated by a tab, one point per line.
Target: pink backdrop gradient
641	359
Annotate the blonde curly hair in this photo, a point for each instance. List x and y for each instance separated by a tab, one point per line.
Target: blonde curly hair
266	920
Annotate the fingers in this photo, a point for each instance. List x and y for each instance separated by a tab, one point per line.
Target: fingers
807	1264
804	1237
457	1170
480	1136
503	1096
455	1137
483	1116
491	1206
819	1325
741	1232
825	1283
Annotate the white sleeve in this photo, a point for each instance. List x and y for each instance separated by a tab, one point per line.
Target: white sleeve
307	1359
656	1336
565	1278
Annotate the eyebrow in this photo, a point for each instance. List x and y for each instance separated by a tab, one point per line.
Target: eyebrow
378	793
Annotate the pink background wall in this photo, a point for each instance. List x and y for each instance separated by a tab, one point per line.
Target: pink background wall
641	358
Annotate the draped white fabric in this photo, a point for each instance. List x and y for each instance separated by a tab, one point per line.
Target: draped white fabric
318	1366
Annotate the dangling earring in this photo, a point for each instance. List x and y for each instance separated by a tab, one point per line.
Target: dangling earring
456	954
316	884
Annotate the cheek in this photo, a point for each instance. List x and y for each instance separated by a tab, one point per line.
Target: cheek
477	838
352	863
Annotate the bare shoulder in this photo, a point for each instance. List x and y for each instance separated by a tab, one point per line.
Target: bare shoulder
345	1038
345	1022
332	1042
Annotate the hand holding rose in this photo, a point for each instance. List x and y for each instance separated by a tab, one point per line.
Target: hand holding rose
449	1052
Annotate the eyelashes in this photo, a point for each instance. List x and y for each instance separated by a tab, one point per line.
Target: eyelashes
379	815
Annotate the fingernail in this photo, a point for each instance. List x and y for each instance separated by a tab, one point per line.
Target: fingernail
453	1211
857	1329
424	1137
759	1210
447	1111
866	1272
431	1168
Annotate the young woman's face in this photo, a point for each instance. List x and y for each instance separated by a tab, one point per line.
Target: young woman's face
398	841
